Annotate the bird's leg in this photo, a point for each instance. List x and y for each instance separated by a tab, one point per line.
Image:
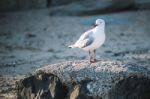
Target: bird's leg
90	54
95	56
92	57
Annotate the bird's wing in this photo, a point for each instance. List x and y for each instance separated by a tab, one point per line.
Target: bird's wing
85	39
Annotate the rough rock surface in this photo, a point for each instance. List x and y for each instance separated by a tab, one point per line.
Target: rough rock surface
82	80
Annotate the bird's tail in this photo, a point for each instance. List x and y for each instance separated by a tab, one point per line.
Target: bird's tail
72	46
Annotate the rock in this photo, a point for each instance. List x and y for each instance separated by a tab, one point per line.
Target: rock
79	90
75	7
13	5
142	4
80	80
31	4
131	88
61	2
8	5
89	7
40	86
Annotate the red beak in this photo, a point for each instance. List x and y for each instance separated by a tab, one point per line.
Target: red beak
95	25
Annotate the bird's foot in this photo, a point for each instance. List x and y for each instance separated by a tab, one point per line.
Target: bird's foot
93	61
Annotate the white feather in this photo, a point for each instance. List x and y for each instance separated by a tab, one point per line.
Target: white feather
98	35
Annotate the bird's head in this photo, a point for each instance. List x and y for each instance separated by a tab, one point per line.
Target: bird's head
99	22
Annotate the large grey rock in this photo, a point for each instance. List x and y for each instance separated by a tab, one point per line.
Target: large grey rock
102	80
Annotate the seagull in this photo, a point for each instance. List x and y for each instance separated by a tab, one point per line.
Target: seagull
92	39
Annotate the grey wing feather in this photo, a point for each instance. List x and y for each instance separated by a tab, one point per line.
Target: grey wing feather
85	40
88	39
88	42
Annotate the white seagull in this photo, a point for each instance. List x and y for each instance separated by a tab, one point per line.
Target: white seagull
92	39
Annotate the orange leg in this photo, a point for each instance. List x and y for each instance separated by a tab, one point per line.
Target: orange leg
95	56
92	57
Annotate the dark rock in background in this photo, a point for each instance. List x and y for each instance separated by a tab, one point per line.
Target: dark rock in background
75	7
88	7
8	5
62	2
30	4
91	7
142	4
14	5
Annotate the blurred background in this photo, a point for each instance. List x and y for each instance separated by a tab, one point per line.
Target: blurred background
35	33
74	7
